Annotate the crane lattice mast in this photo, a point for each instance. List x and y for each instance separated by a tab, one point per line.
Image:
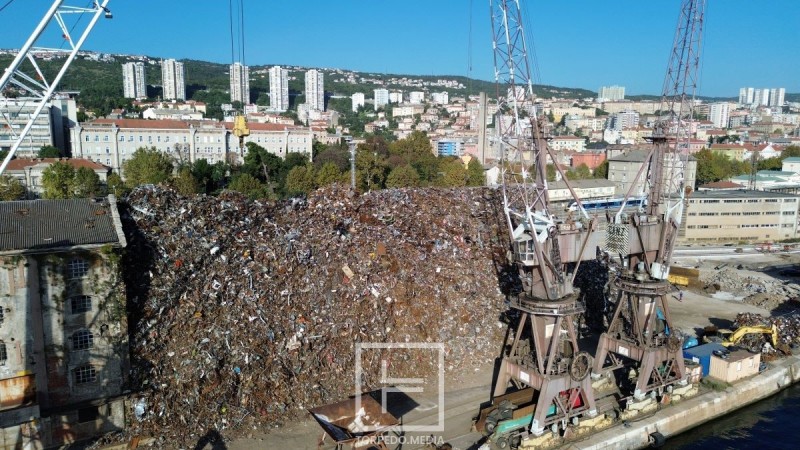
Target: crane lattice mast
31	81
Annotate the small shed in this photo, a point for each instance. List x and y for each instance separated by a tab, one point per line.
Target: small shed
702	354
739	364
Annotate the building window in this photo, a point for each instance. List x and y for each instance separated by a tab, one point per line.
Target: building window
85	374
88	414
3	354
2	315
80	304
82	340
105	138
78	268
87	138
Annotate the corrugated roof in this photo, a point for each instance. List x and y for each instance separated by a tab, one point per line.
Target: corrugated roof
37	225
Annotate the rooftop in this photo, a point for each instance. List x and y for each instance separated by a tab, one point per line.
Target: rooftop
721	185
34	226
76	163
739	194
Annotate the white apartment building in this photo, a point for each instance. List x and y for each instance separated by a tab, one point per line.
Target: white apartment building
381	98
358	100
173	80
315	90
134	81
611	93
240	83
49	128
718	114
278	89
416	97
441	98
571	143
395	97
625	120
113	141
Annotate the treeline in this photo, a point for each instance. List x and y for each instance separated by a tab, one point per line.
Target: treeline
715	166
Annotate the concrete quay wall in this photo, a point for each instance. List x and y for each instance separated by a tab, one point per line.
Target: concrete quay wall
697	410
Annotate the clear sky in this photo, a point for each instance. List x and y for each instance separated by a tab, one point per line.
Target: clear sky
579	43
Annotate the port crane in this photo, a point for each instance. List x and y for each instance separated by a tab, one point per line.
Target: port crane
640	333
543	371
31	80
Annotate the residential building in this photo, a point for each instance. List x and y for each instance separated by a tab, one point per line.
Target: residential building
173	80
407	110
718	113
591	159
315	90
730	215
622	170
450	147
572	143
416	97
396	97
29	171
113	141
278	89
441	98
240	83
358	100
170	114
776	96
134	81
381	98
791	164
63	333
625	119
746	95
51	127
611	93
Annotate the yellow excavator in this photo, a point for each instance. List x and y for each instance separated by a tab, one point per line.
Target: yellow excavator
738	337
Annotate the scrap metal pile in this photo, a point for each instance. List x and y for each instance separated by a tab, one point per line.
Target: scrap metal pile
244	313
788	326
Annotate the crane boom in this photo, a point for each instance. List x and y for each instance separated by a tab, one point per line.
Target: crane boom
36	86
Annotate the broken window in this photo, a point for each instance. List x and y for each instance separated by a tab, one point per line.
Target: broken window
78	268
82	340
3	354
85	374
80	304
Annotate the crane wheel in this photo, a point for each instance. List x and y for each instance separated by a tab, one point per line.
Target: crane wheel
580	366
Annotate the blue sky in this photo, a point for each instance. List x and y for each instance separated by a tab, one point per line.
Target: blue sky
579	43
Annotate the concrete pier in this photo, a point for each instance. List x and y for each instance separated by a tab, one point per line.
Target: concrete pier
697	410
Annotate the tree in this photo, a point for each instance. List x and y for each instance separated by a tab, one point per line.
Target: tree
11	189
601	171
300	180
453	174
186	183
147	166
370	169
328	174
116	186
86	183
403	176
58	181
338	154
581	172
48	151
263	165
416	150
551	172
247	185
475	173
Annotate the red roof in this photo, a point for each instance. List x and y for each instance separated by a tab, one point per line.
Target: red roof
731	147
22	163
722	185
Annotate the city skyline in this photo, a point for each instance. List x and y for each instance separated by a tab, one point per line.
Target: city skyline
637	36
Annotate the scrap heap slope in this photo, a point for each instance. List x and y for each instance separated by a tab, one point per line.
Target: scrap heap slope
246	312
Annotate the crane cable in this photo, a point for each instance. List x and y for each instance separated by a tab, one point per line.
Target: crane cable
9	2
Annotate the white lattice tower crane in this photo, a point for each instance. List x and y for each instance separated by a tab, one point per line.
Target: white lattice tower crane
31	81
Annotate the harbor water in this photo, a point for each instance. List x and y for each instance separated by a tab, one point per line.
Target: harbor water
769	424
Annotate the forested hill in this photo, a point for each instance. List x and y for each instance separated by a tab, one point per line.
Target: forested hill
100	82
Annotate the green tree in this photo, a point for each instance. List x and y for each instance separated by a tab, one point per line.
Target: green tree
203	172
712	166
11	189
581	172
601	171
248	185
475	173
86	183
48	151
551	172
403	176
116	186
453	173
328	174
416	150
147	166
792	151
263	165
58	181
370	170
300	180
186	183
338	154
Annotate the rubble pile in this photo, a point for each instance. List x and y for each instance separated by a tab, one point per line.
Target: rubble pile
766	293
244	313
788	326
